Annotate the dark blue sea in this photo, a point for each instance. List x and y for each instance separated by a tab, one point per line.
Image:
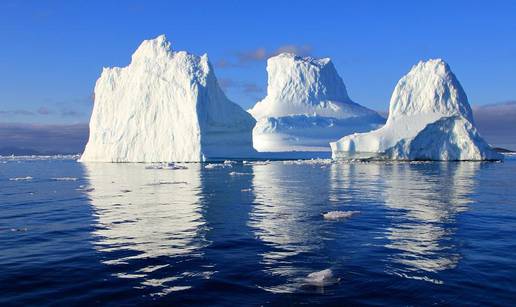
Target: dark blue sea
248	234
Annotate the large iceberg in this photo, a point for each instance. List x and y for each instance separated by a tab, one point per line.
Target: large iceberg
165	106
306	107
429	119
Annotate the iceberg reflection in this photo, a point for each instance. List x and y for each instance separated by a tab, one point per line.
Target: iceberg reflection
425	199
286	217
147	220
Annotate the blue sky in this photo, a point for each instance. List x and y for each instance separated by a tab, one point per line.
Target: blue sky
52	52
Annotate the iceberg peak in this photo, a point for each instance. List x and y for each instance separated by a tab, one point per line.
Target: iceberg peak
306	107
429	119
304	85
153	49
165	106
429	88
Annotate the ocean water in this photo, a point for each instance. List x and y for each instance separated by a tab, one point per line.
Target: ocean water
251	234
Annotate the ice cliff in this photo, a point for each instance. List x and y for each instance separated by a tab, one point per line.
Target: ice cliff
429	119
165	106
306	107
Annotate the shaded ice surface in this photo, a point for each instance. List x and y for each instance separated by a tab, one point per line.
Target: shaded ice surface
429	119
306	107
165	106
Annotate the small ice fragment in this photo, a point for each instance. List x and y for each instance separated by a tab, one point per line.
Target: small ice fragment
261	162
321	278
19	229
237	174
21	178
170	166
173	166
338	215
64	179
167	182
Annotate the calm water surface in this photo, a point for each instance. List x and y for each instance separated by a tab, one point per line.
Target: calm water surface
249	234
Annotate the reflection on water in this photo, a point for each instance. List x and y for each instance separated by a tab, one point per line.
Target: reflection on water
251	234
150	222
145	218
422	201
286	217
425	199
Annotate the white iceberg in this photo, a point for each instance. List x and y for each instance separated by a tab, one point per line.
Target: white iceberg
306	107
165	106
429	119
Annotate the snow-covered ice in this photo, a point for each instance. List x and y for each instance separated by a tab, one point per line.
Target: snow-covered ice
165	106
306	107
429	119
338	215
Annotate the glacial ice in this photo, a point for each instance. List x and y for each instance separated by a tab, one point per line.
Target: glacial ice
165	106
429	119
306	107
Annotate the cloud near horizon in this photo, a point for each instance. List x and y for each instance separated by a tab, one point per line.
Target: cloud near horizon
497	123
260	54
245	87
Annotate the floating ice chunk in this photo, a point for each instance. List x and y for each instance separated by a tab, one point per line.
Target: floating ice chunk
261	162
237	174
84	188
28	178
167	182
321	278
338	215
169	166
19	229
38	158
317	161
65	179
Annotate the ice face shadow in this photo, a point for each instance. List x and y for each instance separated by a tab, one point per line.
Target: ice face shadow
147	220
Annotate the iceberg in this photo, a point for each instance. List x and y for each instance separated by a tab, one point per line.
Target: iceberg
429	119
165	106
306	107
